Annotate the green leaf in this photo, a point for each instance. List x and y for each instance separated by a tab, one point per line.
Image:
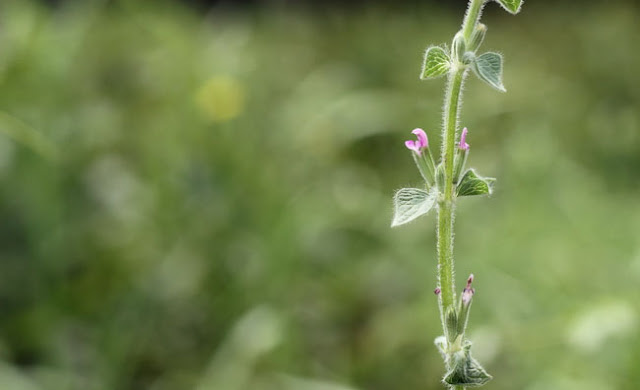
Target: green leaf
451	323
488	67
471	184
436	63
467	373
465	370
512	6
410	203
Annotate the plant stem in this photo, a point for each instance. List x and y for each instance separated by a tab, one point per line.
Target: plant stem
472	17
447	206
446	211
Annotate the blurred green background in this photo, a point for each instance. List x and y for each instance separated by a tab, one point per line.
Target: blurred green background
201	199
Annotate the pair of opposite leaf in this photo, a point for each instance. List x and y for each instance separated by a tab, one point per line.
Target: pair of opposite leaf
411	203
487	66
463	370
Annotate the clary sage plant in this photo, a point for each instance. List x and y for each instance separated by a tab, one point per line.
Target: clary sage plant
448	180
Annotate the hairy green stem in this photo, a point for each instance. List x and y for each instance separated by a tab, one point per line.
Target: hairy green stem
446	210
447	206
472	17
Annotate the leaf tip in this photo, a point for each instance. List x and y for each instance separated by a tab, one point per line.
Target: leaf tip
511	6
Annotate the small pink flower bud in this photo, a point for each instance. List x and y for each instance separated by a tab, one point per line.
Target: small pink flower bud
421	143
463	145
468	292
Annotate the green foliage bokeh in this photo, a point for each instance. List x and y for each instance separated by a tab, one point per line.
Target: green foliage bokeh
202	201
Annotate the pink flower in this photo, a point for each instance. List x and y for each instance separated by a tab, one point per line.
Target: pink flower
468	292
421	143
463	145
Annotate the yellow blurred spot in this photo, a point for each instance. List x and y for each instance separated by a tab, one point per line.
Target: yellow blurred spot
221	98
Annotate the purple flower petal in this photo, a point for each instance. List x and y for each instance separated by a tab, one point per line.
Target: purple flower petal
463	145
423	141
412	145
